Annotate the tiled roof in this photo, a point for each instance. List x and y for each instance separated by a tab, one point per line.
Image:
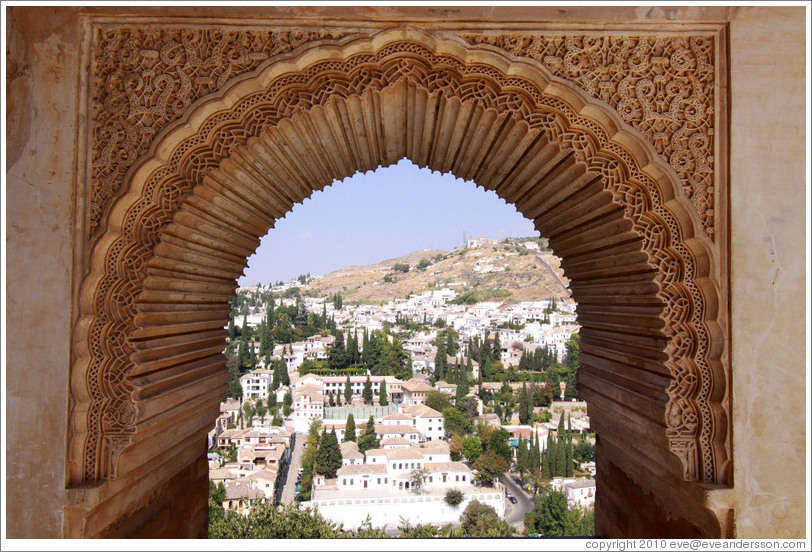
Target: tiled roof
360	469
422	411
446	466
395	441
416	385
395	428
242	490
404	454
397	416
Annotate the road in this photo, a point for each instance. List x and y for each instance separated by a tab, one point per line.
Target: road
289	485
514	513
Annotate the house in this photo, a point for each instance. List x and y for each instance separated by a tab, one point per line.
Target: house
428	421
399	483
415	391
242	496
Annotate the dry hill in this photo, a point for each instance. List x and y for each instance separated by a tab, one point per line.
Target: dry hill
498	272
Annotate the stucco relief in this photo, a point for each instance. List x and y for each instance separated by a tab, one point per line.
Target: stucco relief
137	104
145	79
661	85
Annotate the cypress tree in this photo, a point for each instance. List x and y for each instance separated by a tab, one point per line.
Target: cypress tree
369	440
440	360
349	430
366	394
232	330
560	459
497	348
568	449
347	390
382	400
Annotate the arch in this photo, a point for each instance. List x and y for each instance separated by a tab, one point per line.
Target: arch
154	306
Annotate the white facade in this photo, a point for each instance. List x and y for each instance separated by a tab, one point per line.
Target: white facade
383	488
256	384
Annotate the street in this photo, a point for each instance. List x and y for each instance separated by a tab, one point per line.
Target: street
514	513
289	485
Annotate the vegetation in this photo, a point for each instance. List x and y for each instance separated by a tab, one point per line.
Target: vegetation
550	517
454	497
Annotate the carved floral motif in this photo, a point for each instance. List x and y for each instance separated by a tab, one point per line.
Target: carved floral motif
143	79
661	85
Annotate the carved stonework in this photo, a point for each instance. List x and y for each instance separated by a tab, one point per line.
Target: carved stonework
162	74
661	85
145	79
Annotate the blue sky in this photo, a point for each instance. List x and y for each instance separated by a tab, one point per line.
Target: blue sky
376	216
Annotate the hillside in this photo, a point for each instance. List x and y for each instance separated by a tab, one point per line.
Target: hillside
498	272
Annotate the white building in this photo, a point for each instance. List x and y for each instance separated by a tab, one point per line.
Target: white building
383	488
256	384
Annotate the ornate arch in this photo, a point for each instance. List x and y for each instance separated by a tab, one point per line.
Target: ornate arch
340	105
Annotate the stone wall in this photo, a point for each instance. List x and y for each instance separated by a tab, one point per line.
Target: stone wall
768	240
767	266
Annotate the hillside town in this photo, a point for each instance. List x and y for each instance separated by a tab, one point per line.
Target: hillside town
407	411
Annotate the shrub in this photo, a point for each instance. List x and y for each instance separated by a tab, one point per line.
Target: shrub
454	497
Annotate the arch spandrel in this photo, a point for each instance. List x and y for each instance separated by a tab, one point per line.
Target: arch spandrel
366	102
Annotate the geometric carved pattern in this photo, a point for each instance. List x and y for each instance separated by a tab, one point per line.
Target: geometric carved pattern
661	85
694	419
145	79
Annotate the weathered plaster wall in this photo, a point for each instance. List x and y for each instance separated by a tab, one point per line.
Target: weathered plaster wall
768	267
41	92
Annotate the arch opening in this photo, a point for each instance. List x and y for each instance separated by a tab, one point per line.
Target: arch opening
155	303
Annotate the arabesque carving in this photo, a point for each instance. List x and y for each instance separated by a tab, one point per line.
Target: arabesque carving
661	85
695	422
144	79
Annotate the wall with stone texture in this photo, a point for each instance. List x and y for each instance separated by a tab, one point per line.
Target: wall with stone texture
767	261
768	198
41	102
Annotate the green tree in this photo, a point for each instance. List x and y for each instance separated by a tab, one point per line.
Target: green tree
437	400
454	497
455	422
349	429
417	478
367	394
260	409
287	404
472	448
481	520
328	455
549	513
277	420
347	390
369	440
267	522
382	400
249	411
498	442
490	467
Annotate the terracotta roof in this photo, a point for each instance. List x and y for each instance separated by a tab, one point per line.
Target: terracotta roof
360	469
403	454
416	386
221	473
397	416
242	490
446	466
422	411
395	441
582	483
396	428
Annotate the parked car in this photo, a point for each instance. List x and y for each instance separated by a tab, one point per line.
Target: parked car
513	499
298	488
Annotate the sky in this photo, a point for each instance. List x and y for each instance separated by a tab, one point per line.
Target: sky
372	217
